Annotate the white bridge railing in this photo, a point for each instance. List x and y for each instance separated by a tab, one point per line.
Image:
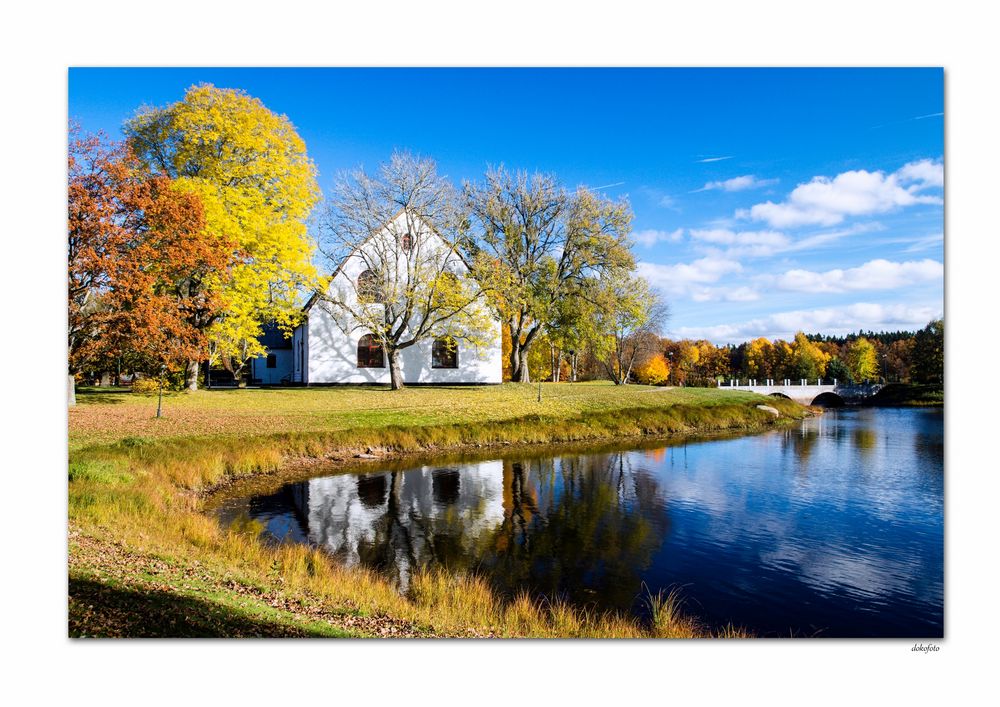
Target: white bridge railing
773	382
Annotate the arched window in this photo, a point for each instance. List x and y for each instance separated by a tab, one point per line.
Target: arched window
368	289
406	243
371	490
370	353
444	353
445	486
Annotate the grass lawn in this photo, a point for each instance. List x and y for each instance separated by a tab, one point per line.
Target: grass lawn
108	415
145	559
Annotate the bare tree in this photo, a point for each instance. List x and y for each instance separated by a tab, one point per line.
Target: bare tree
398	274
538	243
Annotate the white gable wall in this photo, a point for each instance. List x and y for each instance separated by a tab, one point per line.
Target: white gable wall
332	354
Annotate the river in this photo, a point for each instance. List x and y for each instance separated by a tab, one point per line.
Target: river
832	528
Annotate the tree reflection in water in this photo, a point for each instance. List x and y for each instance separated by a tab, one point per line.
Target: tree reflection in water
582	528
836	525
577	527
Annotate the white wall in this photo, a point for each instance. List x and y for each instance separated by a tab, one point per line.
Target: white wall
332	352
340	522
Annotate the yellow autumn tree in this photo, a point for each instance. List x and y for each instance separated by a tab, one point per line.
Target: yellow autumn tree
690	356
808	360
862	359
781	358
250	169
759	358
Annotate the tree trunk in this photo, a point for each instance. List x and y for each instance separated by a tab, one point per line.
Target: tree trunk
395	373
515	360
191	376
522	375
573	368
71	390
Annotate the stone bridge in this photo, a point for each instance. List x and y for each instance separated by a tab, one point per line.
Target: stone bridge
810	393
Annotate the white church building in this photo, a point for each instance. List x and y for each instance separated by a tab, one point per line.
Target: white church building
332	347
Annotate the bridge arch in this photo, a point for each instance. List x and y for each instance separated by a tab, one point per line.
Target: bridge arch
828	400
780	395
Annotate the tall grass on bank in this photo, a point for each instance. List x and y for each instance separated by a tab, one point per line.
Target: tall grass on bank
147	495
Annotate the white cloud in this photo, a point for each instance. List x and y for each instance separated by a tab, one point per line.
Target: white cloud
832	320
687	279
825	201
747	242
873	275
725	294
650	236
747	181
668	202
925	173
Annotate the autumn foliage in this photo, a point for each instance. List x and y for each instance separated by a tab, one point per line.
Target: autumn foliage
144	273
257	185
653	371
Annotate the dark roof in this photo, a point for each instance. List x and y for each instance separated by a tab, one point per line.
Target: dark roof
274	338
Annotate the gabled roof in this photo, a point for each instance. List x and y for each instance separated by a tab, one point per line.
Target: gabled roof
314	296
274	338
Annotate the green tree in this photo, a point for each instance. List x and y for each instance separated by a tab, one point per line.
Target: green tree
258	186
928	353
571	328
838	371
628	319
537	244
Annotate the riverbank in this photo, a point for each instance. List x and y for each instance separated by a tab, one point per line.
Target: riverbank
908	395
139	538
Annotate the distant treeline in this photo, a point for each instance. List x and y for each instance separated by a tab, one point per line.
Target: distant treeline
894	357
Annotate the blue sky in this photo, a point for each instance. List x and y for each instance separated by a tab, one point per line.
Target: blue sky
765	200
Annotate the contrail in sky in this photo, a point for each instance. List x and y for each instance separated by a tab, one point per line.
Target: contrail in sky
715	159
907	120
608	186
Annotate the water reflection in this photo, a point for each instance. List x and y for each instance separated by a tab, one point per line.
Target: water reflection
834	528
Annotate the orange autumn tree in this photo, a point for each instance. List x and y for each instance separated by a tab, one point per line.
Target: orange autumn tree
145	275
97	173
653	371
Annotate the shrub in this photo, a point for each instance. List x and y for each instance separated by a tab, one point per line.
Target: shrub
653	371
146	386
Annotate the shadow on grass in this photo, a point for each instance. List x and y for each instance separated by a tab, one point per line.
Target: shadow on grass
102	610
86	395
